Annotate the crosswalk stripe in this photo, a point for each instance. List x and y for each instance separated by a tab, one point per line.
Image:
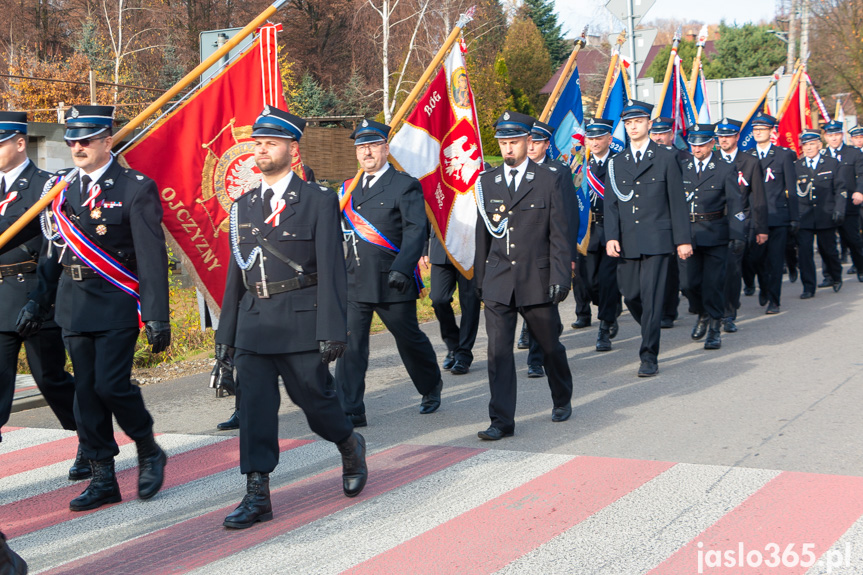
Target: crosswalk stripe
42	455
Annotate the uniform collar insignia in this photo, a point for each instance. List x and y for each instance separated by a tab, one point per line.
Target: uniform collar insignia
649	153
529	176
689	166
710	166
109	182
498	179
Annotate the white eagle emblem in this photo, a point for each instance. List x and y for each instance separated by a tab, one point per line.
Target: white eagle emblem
460	161
242	178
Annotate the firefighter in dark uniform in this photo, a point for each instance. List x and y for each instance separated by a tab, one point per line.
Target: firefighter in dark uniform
523	266
21	184
118	213
856	134
660	132
851	165
283	314
600	270
783	220
821	193
750	179
386	211
645	222
717	226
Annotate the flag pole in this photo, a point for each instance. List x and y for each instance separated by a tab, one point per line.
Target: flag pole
787	100
668	71
609	77
463	20
46	199
564	76
696	64
773	81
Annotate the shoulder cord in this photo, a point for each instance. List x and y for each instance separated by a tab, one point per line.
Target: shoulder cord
613	181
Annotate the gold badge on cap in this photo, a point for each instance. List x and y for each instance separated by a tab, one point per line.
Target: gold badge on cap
101	229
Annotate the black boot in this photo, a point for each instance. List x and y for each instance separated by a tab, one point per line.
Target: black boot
700	326
232	423
10	562
255	506
431	400
523	341
151	467
354	470
714	338
103	488
81	468
603	338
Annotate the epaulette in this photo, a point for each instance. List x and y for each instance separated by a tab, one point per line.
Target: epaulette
63	171
552	168
133	174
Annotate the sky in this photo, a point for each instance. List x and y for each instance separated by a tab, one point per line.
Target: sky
575	14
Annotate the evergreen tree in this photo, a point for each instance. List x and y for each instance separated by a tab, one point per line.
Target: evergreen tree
543	15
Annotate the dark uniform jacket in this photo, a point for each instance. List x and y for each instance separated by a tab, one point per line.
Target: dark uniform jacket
15	289
651	218
597	207
538	253
131	214
713	193
821	193
570	200
779	175
309	235
851	168
752	192
395	206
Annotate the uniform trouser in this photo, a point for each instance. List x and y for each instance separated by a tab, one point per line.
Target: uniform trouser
102	362
543	322
459	339
601	279
47	359
849	232
414	348
642	283
791	251
307	383
671	299
827	249
580	289
703	279
769	258
733	281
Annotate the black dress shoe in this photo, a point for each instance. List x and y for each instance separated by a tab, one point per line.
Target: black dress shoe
714	336
603	338
807	295
612	331
837	286
762	298
232	423
666	323
10	562
524	338
792	275
431	400
151	468
773	308
493	434
860	278
852	270
700	326
581	323
80	468
559	414
648	369
728	325
749	290
358	419
355	473
449	360
255	506
460	368
826	282
102	490
535	371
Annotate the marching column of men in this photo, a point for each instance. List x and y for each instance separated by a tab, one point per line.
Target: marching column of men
851	166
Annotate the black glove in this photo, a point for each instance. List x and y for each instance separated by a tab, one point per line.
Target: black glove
332	350
158	335
795	227
838	218
30	319
225	355
478	291
736	246
557	293
398	281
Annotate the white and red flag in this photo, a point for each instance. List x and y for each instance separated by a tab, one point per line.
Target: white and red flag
439	144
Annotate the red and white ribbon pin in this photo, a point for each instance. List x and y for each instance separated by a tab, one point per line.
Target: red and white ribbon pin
274	217
10	197
768	175
741	181
90	202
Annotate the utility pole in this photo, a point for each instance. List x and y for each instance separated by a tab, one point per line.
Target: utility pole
792	36
804	30
630	23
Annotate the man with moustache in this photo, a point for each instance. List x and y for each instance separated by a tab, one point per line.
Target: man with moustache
385	226
283	314
750	179
523	266
851	165
645	222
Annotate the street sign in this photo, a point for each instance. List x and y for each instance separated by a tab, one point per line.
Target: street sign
643	41
620	8
211	40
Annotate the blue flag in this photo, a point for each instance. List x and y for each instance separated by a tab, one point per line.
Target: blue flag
677	105
747	141
614	106
702	103
567	121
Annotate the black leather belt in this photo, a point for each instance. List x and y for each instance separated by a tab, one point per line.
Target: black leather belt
598	217
709	216
265	289
17	269
79	273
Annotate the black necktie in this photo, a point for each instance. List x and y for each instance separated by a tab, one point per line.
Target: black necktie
511	186
85	187
268	202
638	157
2	187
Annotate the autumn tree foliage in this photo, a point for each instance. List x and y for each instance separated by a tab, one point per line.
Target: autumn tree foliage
528	63
836	63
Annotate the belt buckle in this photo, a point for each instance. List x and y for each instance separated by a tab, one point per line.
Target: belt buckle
692	218
76	273
261	290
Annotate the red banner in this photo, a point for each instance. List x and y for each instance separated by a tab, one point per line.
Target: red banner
790	125
201	158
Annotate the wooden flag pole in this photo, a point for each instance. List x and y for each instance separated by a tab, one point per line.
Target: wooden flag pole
668	71
776	75
696	64
787	100
564	77
415	93
188	79
609	77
